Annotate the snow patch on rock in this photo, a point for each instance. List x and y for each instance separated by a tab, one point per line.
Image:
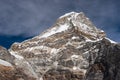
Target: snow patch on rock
111	40
5	63
55	30
15	55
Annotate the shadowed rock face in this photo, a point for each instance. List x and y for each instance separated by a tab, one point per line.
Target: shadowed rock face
73	49
106	65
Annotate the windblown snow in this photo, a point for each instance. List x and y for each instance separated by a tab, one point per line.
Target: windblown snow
67	14
55	30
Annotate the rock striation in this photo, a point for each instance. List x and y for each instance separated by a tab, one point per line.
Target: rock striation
72	49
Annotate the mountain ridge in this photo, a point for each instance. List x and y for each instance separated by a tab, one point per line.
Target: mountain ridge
73	49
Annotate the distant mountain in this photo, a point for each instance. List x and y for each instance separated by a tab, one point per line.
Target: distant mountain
72	49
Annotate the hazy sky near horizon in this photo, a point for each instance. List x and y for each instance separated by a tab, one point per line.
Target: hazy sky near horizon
31	17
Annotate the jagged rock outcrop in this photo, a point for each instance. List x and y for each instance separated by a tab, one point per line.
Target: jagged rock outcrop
9	70
6	68
73	49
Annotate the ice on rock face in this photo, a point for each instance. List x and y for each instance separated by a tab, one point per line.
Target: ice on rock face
75	68
5	63
75	56
16	55
74	37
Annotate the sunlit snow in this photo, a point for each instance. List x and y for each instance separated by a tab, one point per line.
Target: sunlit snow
55	30
5	63
16	55
111	40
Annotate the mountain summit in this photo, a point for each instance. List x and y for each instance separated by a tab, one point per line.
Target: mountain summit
72	49
75	22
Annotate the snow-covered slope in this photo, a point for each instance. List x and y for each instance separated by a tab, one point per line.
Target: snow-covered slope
76	21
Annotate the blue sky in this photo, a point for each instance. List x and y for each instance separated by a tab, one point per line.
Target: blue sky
23	19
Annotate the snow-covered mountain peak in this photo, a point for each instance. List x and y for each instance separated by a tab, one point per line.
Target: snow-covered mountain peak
76	22
73	44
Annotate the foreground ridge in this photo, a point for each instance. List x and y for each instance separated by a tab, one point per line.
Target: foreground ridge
72	49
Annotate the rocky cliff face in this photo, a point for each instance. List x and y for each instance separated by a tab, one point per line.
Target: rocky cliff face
72	49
